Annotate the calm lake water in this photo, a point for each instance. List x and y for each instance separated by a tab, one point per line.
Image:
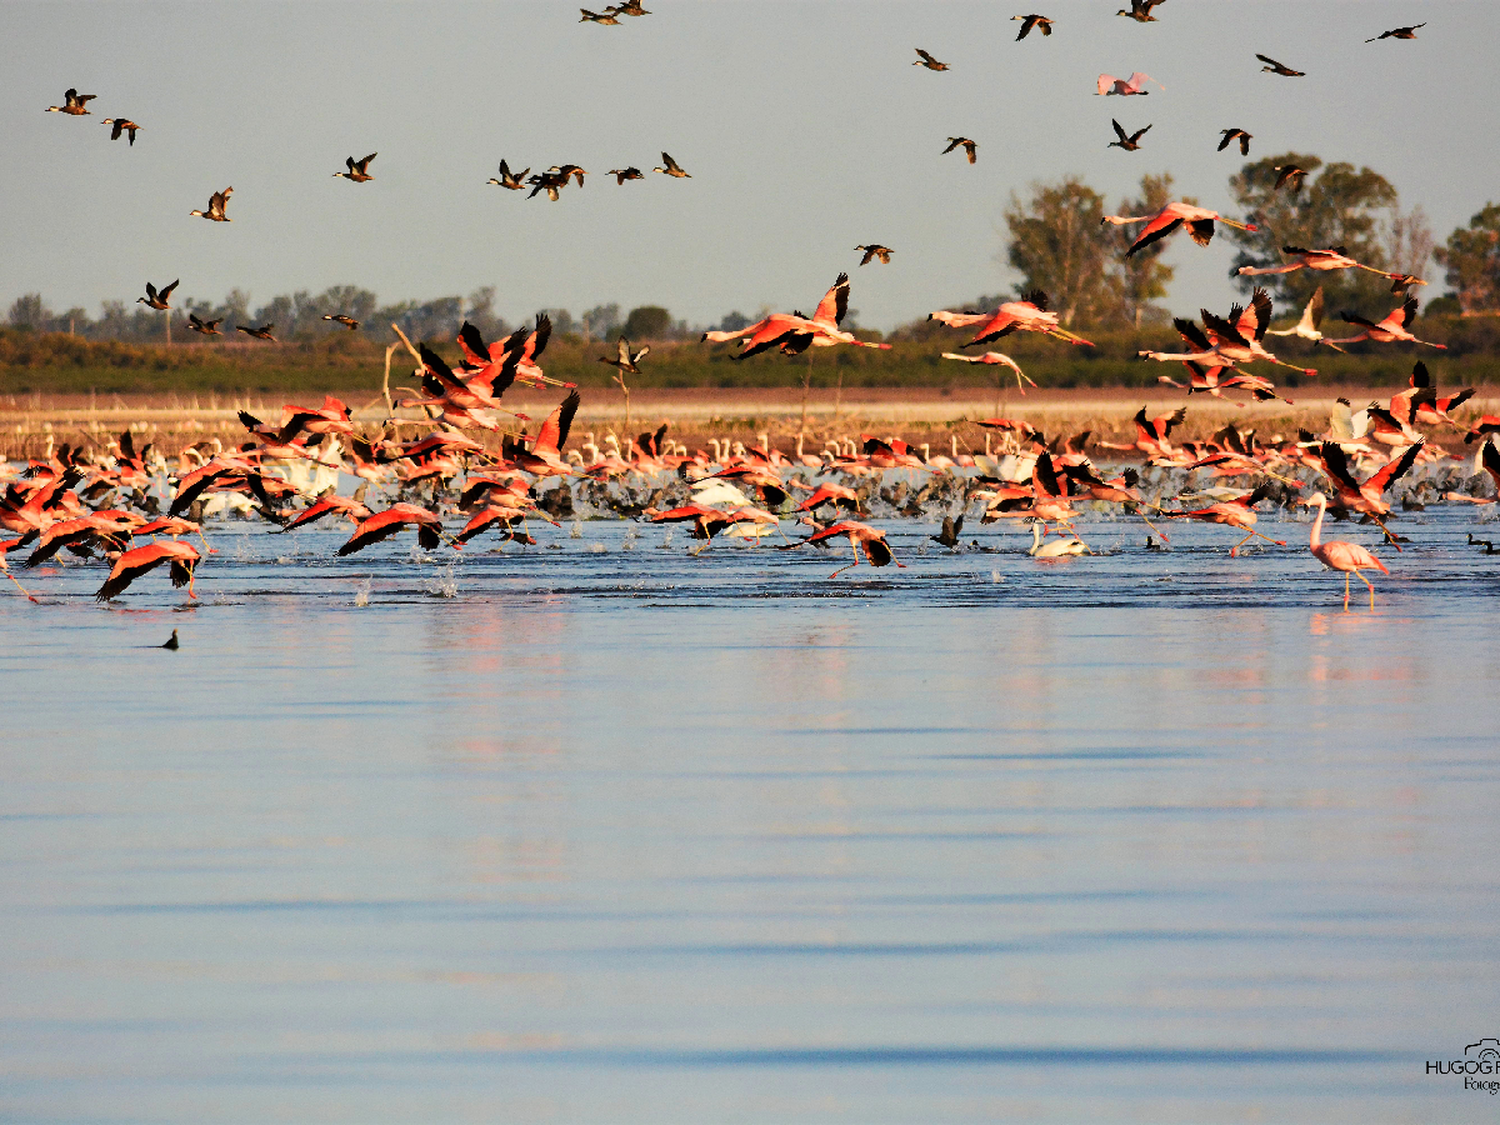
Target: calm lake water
608	833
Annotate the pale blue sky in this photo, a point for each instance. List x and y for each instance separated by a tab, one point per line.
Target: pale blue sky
804	125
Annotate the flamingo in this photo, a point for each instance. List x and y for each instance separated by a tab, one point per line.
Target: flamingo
861	537
1238	512
1334	258
793	332
183	558
384	524
1389	330
121	125
1135	84
358	169
1029	314
1200	223
1366	497
216	204
995	358
1337	554
544	458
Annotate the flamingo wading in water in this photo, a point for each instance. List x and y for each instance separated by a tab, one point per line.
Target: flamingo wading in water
1337	554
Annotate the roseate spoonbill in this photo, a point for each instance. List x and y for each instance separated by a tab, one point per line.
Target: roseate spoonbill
1128	143
121	125
1135	84
1041	23
1231	135
1389	330
157	298
358	169
1337	554
1200	223
968	147
341	318
875	250
73	103
206	327
1280	68
928	61
1399	33
216	204
1140	10
672	168
183	558
261	333
515	181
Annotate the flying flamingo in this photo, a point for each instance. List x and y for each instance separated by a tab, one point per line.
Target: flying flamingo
183	558
1135	84
1237	513
1029	314
994	359
1351	558
1366	497
5	548
1310	326
1333	258
384	524
1200	223
1389	330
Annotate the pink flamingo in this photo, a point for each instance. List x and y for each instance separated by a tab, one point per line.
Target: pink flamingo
1029	314
1388	331
183	558
1200	221
1135	84
1351	558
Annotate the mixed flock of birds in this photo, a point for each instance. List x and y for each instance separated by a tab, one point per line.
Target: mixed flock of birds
101	504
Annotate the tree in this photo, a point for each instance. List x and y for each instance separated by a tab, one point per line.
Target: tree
1409	241
601	321
482	315
1057	245
1339	206
1472	259
1141	279
649	322
31	312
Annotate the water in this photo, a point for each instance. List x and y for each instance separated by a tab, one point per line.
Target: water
609	833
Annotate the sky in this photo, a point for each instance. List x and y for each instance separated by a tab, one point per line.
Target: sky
804	126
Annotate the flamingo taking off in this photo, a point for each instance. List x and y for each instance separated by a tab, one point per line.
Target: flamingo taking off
861	537
1309	327
1337	554
183	558
1200	221
995	358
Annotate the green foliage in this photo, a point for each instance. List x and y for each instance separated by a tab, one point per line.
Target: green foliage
1339	206
649	322
1472	259
1056	245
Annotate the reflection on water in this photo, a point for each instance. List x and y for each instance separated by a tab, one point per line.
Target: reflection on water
610	835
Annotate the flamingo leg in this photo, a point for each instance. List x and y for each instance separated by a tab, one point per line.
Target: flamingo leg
1389	538
1370	584
1235	550
853	547
23	589
192	577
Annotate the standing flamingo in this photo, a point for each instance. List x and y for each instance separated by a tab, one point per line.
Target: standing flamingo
1351	558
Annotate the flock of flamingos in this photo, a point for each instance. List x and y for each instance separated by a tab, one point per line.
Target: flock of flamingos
138	510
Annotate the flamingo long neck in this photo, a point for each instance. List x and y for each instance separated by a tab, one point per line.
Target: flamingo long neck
1315	540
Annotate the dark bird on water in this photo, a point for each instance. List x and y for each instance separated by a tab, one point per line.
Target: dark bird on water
157	298
171	642
1128	143
1231	135
358	169
121	125
1280	68
968	146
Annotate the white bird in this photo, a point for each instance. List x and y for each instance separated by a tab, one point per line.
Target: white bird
1056	548
1310	326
